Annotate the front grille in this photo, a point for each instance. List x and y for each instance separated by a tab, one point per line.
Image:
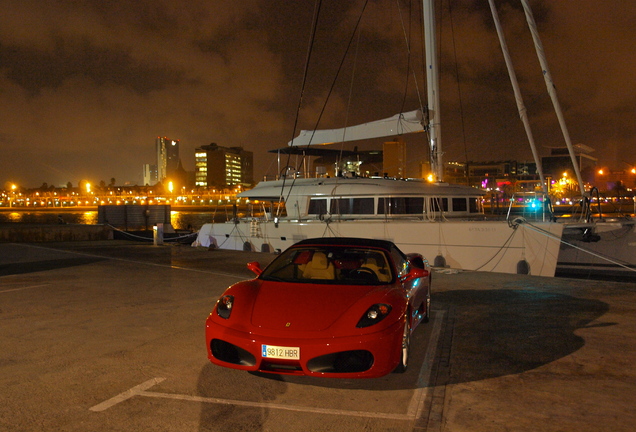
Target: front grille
342	362
230	353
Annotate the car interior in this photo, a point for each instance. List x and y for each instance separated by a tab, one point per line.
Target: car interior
352	265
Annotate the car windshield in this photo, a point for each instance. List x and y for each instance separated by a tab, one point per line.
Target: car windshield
331	265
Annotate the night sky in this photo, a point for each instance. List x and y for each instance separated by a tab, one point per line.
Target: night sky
86	86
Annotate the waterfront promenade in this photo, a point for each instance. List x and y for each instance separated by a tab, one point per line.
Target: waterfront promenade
109	336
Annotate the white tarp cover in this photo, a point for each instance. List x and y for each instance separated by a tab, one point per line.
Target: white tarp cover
399	124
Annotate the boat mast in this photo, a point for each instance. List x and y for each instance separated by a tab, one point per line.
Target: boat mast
432	84
523	114
552	90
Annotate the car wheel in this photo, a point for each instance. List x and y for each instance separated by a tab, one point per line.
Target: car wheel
404	350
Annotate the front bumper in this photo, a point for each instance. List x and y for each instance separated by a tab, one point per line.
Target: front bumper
356	356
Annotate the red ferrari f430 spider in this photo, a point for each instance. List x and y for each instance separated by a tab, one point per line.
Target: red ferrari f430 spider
328	307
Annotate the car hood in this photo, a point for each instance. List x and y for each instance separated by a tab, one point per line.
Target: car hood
305	307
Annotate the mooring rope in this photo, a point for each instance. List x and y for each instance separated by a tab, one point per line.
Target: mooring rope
596	254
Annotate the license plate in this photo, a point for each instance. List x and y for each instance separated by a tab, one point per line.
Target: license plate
280	352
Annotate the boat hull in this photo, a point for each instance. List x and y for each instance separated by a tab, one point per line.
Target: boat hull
600	250
492	246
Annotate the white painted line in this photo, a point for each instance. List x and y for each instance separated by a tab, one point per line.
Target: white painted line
23	288
126	260
276	406
414	409
423	381
126	395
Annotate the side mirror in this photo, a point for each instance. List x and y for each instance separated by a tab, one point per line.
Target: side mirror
419	273
255	267
417	260
415	273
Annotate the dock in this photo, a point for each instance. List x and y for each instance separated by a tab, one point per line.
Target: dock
108	335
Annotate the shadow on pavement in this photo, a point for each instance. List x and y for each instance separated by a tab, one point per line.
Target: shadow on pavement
504	332
217	382
44	265
491	333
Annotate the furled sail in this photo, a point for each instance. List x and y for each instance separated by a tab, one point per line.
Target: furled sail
399	124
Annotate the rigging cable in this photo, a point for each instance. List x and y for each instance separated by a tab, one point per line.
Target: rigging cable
505	245
330	90
353	74
312	38
597	255
459	89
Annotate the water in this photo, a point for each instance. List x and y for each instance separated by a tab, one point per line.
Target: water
186	220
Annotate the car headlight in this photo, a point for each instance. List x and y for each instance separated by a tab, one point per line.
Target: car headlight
224	306
374	315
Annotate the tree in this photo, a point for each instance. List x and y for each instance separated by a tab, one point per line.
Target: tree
112	181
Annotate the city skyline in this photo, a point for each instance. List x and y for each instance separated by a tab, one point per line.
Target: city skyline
86	87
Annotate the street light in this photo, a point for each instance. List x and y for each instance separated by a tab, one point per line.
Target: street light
13	188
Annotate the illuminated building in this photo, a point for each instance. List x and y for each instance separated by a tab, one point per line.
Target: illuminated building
167	157
221	167
394	162
560	161
150	175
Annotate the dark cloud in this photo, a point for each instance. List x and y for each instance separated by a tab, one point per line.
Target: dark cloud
36	70
86	86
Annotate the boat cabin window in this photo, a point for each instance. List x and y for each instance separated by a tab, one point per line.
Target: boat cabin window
439	204
460	205
403	205
318	206
351	206
473	203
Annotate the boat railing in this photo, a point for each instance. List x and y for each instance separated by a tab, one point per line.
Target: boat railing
534	205
290	175
595	207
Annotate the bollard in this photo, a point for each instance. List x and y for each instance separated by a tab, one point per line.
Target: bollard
157	234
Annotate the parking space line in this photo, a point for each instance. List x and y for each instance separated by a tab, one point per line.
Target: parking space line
414	409
269	405
423	380
23	288
126	395
131	261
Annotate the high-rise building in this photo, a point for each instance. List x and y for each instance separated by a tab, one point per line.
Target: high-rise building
394	153
150	175
217	166
167	157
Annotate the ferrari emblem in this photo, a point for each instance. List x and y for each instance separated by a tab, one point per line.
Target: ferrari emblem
287	325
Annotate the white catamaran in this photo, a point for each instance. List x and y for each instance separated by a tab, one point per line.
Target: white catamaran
444	222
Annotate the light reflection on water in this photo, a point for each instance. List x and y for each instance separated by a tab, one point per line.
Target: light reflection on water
180	220
49	217
190	221
88	218
13	217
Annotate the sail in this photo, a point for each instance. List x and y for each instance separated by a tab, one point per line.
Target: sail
399	124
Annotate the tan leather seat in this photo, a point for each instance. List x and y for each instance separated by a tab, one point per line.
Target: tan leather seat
380	271
319	268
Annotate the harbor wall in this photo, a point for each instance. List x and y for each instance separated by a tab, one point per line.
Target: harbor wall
32	233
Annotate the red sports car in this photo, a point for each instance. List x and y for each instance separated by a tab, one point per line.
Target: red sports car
329	307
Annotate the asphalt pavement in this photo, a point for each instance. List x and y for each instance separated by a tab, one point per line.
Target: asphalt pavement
109	336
